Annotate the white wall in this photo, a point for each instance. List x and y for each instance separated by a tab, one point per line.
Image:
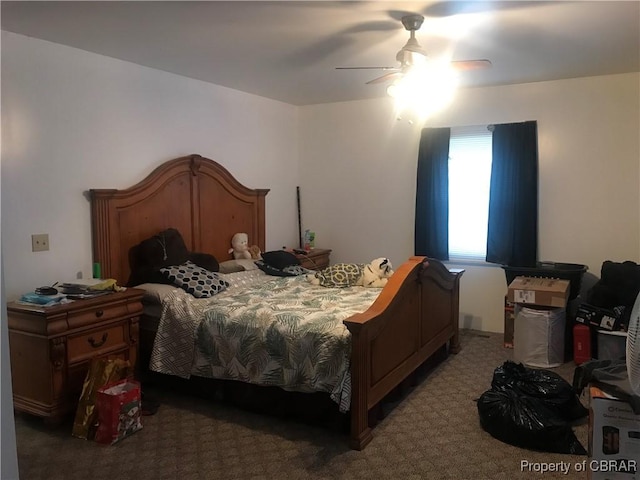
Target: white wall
73	120
357	167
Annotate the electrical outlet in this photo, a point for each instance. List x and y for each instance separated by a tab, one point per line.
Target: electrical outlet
40	242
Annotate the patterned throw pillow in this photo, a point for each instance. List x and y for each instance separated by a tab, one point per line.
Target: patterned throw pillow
195	280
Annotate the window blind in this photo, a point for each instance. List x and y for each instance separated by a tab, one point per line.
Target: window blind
469	184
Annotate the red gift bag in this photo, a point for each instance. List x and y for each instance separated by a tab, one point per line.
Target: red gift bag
119	411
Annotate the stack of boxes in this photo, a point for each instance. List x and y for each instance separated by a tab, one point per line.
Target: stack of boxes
614	426
540	318
535	317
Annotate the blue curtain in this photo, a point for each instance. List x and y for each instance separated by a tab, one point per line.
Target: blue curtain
432	194
512	236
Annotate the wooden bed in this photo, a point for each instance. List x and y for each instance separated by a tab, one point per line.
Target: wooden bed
414	316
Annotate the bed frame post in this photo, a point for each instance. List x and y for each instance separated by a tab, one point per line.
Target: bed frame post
361	433
102	230
454	343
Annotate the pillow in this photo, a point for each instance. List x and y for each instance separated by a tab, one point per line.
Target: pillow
280	259
205	260
164	249
247	264
288	271
154	293
145	275
230	266
161	250
197	281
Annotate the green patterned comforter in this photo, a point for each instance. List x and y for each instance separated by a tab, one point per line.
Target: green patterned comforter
285	332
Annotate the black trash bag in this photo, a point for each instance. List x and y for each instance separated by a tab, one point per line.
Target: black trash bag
556	393
526	422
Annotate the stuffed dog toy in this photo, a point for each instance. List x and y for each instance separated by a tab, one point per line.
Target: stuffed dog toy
373	274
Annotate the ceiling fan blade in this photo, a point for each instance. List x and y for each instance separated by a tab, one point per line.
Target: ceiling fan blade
470	64
373	26
367	68
448	8
385	78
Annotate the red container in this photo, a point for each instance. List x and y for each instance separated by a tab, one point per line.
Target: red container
581	344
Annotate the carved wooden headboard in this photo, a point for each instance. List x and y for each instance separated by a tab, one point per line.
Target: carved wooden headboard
193	194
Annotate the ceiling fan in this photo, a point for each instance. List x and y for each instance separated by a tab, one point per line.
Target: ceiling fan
412	54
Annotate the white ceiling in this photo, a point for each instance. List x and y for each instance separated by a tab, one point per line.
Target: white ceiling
288	50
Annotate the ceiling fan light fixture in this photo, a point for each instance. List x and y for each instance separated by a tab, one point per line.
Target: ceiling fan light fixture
408	58
424	89
420	83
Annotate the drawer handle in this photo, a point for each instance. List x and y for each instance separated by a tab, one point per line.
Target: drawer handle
99	313
95	344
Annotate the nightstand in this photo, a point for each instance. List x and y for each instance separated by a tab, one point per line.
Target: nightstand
315	259
51	348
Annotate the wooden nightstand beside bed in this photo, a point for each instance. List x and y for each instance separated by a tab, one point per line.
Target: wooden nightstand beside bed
315	259
51	348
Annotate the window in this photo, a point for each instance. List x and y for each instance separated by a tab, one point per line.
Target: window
470	152
452	192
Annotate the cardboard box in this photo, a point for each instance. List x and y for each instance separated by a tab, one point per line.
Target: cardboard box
599	317
549	292
509	319
614	438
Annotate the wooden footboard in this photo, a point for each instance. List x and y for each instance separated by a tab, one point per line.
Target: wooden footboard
415	314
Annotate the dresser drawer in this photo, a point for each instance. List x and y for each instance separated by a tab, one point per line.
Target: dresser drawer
100	313
96	342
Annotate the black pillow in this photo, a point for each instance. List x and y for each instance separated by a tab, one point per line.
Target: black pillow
165	249
270	270
204	260
280	259
162	250
147	275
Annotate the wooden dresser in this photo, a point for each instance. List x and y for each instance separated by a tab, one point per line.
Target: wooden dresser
51	348
315	259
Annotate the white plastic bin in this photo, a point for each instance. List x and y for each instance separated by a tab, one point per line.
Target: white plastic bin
538	337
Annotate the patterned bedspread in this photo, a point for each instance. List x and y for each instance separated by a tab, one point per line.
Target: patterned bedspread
284	332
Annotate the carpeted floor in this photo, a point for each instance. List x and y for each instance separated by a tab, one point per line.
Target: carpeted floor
433	433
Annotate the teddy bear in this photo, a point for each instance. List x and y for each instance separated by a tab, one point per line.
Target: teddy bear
241	249
255	252
374	274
